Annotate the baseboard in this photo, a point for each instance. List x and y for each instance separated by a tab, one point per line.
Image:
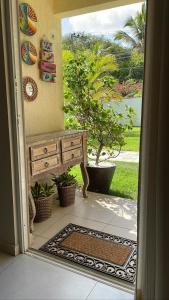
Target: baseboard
9	248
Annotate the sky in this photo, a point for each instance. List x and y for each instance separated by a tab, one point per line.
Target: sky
105	22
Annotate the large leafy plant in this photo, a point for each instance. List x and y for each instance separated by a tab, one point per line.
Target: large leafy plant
89	83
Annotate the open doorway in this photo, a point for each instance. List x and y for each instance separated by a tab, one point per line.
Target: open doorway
105	214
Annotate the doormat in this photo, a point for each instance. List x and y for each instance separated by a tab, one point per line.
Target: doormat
110	254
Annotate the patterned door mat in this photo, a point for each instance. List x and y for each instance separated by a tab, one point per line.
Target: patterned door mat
110	254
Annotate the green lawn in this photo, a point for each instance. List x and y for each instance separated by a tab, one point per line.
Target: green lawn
132	140
125	180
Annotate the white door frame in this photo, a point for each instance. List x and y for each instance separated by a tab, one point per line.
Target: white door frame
16	107
11	44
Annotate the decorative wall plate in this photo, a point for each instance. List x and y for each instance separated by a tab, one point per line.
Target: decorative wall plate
29	53
47	56
47	67
46	45
27	19
48	77
30	89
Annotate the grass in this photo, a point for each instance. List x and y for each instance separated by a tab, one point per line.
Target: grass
125	180
132	140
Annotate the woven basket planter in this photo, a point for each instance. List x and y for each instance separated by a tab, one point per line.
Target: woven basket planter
43	208
66	195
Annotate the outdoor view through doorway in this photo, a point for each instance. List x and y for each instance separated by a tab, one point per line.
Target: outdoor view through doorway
103	67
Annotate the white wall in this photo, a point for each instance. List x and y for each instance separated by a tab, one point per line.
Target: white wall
136	103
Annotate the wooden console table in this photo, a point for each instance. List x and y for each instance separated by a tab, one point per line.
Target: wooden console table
53	153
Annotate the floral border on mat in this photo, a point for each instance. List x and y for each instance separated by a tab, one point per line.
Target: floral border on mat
126	272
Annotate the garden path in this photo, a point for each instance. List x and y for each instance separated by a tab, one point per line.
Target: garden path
127	156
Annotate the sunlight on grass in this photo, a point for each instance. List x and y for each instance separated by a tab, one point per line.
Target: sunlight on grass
125	180
132	140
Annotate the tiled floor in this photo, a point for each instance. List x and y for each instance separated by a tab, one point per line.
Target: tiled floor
28	278
101	212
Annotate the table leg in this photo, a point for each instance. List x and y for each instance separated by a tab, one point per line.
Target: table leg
32	212
85	179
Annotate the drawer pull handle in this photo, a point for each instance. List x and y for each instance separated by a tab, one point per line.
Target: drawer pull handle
46	164
45	150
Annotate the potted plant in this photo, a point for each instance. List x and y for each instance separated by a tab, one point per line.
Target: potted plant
66	185
88	85
43	198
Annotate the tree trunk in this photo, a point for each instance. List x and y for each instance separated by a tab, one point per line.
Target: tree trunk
98	154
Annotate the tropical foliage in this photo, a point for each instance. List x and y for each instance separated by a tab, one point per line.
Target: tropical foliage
129	62
92	71
96	70
88	84
130	88
136	26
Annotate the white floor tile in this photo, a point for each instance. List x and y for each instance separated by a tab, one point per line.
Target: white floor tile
5	261
122	232
30	278
114	215
37	242
54	228
103	292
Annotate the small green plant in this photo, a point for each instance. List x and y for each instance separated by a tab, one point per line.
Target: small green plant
66	179
43	190
47	190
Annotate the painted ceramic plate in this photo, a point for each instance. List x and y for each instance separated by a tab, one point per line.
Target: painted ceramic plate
30	89
27	19
29	53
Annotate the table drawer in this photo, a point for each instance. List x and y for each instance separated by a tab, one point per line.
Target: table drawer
71	143
72	155
45	164
37	152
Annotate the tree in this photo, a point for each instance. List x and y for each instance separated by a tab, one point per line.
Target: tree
137	28
82	41
136	65
128	64
122	55
98	79
86	77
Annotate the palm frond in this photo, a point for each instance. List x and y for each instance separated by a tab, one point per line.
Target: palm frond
101	65
125	37
136	26
129	22
106	94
